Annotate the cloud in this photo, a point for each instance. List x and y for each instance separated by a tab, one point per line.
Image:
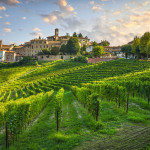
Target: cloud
24	18
73	24
36	29
6	15
7	30
145	3
53	18
113	28
36	34
10	2
7	23
1	17
58	17
117	12
2	8
97	8
92	2
63	5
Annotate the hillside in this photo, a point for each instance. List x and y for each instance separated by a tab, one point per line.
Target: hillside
30	95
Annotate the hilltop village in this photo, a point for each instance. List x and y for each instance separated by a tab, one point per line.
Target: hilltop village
13	53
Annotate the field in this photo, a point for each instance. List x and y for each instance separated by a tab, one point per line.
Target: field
103	106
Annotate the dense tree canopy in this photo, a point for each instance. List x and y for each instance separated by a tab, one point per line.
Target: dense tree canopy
105	43
135	47
73	46
63	49
94	43
127	50
55	51
80	35
74	34
98	51
144	44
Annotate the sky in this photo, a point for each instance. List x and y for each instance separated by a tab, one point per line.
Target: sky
117	21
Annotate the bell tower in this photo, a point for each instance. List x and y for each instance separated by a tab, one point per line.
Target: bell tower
56	34
0	44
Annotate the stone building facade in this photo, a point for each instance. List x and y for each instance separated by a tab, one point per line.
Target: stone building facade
35	46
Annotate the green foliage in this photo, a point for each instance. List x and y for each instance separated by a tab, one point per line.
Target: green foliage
82	59
127	49
104	43
73	46
80	35
27	60
63	49
55	50
45	51
136	47
98	51
94	43
83	49
19	112
74	34
58	106
144	42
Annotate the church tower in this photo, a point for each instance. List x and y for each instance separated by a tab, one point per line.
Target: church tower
56	34
0	44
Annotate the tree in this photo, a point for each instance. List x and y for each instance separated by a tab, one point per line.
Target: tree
55	50
94	43
127	50
73	46
67	35
63	49
74	34
46	51
144	42
98	51
104	43
136	47
80	35
83	49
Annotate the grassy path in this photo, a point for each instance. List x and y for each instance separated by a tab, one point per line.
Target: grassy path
42	135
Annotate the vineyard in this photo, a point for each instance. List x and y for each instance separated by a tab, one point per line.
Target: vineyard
71	105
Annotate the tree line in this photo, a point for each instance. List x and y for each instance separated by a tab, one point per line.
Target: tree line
140	48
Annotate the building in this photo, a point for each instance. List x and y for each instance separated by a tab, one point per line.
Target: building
6	53
115	50
6	47
35	46
2	55
10	56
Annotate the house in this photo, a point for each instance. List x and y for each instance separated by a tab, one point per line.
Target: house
10	56
2	55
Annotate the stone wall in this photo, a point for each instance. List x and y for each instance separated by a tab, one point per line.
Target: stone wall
53	57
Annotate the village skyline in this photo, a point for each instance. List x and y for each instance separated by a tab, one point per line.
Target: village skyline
112	20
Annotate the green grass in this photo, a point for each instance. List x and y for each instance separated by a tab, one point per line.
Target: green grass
77	125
